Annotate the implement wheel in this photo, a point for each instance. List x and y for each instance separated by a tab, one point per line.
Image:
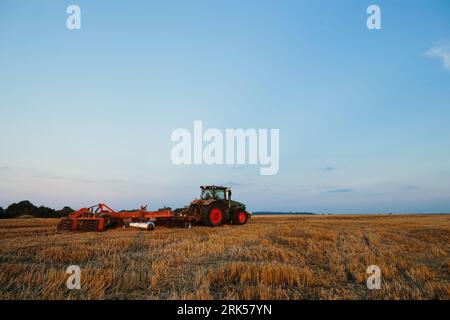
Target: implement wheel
107	220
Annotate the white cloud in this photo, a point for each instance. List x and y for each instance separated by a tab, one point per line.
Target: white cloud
441	51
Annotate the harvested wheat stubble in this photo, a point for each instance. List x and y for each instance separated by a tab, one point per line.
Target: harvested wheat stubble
286	257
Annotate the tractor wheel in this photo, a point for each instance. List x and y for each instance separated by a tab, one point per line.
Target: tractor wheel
107	220
213	215
240	217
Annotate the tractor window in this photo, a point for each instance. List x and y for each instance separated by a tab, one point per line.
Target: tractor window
220	194
206	195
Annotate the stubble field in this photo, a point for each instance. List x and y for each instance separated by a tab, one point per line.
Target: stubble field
286	257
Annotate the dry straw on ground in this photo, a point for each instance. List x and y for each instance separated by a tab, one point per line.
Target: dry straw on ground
307	257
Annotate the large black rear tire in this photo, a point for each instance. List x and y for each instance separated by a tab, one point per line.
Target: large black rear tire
213	215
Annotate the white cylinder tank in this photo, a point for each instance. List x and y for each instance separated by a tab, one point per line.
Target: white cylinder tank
143	225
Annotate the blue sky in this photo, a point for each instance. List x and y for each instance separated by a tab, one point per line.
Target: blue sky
86	115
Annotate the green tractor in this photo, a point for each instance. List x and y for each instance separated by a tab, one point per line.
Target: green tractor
215	208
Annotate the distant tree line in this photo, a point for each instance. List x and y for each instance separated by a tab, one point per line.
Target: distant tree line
27	209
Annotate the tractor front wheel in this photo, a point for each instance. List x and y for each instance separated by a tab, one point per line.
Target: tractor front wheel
240	217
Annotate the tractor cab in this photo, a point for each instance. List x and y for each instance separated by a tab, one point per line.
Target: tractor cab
215	192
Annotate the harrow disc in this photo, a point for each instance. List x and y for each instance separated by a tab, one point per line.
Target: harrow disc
171	223
65	224
88	225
